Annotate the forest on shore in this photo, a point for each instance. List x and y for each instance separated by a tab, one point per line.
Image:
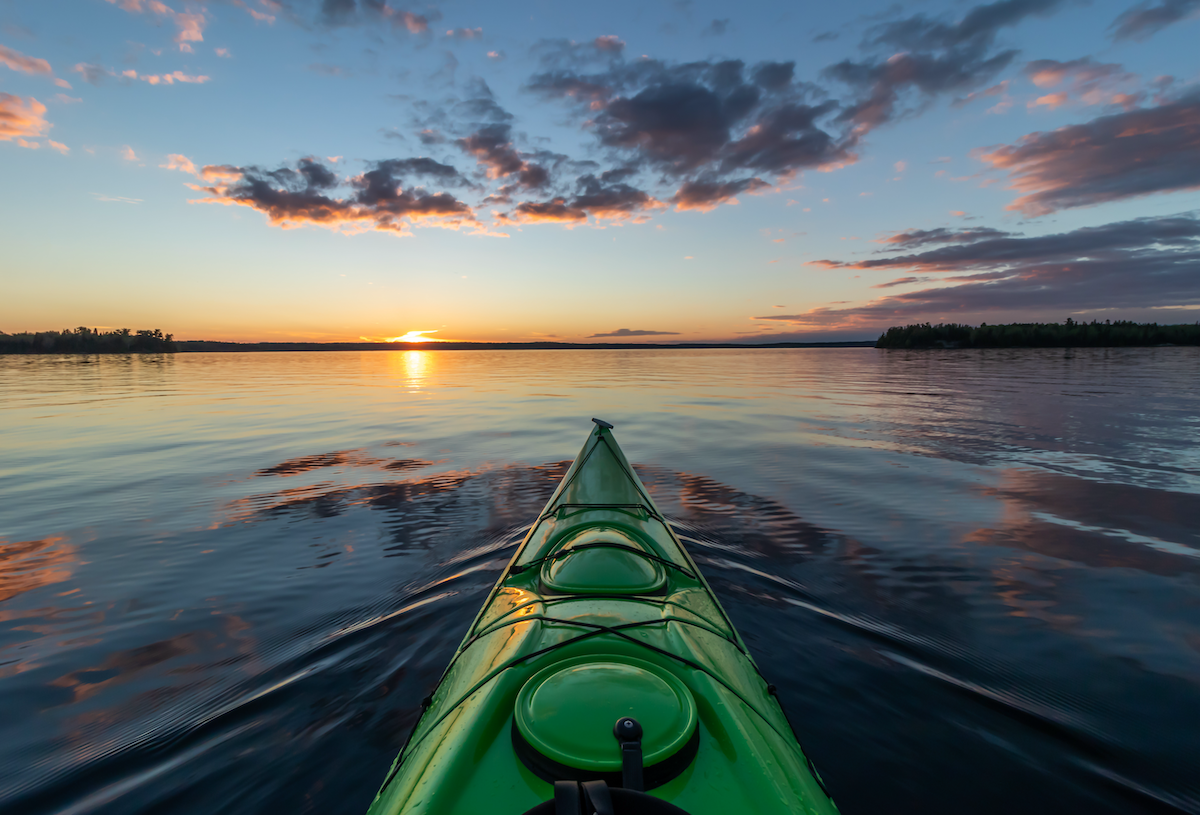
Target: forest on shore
84	340
1069	334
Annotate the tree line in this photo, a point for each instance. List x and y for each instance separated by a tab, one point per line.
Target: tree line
85	340
1069	334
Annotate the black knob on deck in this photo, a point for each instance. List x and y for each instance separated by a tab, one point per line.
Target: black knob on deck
627	729
629	736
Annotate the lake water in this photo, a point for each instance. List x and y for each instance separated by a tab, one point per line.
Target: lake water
227	580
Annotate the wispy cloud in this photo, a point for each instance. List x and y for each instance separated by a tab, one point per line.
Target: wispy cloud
931	57
189	24
1140	264
165	79
1122	155
29	65
1092	83
634	332
1146	19
175	161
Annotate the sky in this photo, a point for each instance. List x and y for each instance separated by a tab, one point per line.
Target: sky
339	170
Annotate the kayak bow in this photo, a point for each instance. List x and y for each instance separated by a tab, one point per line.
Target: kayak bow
602	669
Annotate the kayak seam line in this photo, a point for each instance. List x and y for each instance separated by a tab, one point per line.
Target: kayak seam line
548	600
668	619
639	598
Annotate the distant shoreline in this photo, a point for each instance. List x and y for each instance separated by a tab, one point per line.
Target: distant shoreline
207	346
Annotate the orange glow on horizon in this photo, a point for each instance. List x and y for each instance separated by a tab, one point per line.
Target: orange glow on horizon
415	336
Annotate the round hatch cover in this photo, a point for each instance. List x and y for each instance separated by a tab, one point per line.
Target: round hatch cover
602	560
566	714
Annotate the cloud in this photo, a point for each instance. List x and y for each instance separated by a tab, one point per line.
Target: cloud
986	249
223	52
603	198
334	13
923	237
716	28
182	163
563	53
702	121
261	16
59	146
1051	100
826	36
1093	83
328	70
165	79
934	57
306	195
1147	263
465	33
128	154
92	74
635	332
21	118
707	195
493	148
190	24
1145	19
19	62
1114	157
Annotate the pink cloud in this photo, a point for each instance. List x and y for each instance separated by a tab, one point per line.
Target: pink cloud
1122	155
190	25
22	118
175	161
26	65
1051	100
165	79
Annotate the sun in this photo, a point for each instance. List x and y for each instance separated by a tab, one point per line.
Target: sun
414	336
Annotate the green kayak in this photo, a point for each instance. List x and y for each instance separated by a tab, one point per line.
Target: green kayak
602	676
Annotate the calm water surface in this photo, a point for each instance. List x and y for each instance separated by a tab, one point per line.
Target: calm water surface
226	581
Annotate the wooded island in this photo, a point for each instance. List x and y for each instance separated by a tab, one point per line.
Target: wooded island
84	340
1070	334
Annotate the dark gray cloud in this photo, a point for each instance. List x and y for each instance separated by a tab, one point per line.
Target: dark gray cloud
306	195
707	194
937	57
599	198
1111	242
923	237
493	148
977	29
337	13
1127	267
716	28
395	169
1122	155
1146	19
563	53
635	332
92	74
702	118
826	36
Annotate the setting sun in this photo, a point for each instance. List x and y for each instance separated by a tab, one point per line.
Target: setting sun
415	336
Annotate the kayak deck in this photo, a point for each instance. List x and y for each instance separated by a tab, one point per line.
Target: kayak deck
600	610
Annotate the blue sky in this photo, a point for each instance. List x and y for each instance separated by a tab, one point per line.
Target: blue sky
337	169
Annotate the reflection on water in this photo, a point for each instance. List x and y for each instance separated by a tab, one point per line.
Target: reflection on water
226	581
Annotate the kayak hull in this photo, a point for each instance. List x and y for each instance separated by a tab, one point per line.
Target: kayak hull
601	580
